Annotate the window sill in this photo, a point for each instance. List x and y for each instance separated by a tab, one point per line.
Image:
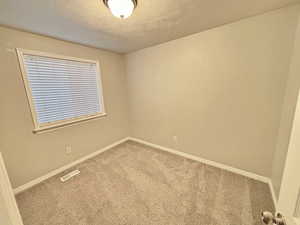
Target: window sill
66	123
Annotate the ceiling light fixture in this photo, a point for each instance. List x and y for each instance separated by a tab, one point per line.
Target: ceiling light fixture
121	8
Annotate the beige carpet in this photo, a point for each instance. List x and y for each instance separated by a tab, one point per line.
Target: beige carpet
137	185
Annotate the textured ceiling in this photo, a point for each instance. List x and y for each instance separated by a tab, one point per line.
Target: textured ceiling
154	21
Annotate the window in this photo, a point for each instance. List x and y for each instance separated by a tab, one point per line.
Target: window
61	90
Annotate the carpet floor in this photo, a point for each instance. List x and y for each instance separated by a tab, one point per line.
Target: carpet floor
132	184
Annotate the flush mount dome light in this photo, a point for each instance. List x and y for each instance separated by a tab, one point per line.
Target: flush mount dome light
121	8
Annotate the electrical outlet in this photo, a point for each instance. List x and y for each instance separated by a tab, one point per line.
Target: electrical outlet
68	149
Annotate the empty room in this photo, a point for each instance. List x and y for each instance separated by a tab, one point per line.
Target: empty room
148	112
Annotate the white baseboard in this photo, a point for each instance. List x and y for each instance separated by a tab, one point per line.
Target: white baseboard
205	161
68	166
213	163
173	151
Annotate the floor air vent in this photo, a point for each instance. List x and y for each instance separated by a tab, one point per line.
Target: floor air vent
68	176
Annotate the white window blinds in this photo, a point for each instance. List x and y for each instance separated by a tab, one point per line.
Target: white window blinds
61	89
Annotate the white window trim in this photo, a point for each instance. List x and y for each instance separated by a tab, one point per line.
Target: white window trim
55	125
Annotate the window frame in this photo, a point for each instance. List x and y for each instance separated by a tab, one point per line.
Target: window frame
39	127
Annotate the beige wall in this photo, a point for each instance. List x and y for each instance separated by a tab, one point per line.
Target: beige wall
288	110
219	91
29	155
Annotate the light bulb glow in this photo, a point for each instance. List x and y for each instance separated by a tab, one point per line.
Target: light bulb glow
121	8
